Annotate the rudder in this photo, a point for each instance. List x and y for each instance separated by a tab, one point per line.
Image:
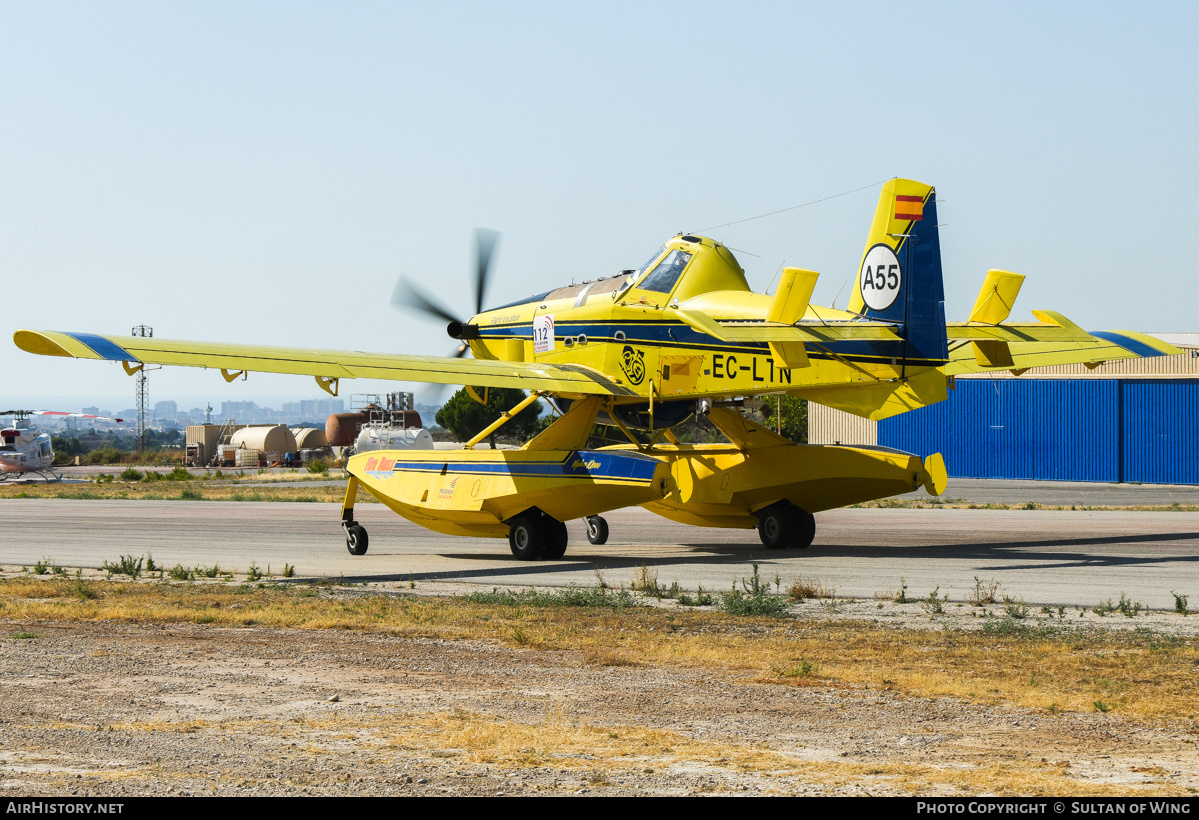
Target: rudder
899	278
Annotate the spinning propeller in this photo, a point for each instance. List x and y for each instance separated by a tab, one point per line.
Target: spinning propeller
409	297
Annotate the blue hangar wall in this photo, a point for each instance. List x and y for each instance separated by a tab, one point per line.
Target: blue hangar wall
1119	430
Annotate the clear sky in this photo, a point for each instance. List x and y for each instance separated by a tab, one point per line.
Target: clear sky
263	172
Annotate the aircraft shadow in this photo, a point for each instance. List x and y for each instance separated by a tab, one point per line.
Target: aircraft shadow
1044	557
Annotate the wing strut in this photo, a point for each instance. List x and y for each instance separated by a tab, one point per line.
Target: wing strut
502	420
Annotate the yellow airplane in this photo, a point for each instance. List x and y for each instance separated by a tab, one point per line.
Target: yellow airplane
644	350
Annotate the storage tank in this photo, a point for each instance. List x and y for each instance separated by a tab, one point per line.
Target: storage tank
393	438
341	429
309	438
276	439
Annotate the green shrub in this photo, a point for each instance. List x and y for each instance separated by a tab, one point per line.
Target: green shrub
318	467
127	565
181	573
573	596
754	598
105	455
131	474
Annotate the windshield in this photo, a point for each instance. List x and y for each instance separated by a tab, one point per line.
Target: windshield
648	262
662	278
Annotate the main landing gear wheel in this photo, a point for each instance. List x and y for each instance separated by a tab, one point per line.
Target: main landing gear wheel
805	529
356	540
526	536
533	535
556	538
597	530
786	525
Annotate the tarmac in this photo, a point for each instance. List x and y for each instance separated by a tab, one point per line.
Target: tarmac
1045	557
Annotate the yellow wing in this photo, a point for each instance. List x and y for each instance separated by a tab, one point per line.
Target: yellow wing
325	365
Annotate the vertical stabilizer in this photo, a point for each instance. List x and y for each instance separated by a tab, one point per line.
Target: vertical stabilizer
899	278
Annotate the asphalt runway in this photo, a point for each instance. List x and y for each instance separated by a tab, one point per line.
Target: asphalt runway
1075	558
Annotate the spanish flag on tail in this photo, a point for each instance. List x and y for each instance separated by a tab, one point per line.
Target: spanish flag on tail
909	207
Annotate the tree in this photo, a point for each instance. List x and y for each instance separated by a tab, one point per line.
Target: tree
794	417
466	418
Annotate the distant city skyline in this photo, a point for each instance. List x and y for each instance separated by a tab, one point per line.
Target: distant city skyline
310	410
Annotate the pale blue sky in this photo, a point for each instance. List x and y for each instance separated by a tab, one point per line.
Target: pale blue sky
263	172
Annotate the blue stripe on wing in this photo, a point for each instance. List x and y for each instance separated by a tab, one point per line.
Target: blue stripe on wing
1129	344
104	348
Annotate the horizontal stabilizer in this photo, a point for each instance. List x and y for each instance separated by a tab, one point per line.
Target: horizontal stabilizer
1046	344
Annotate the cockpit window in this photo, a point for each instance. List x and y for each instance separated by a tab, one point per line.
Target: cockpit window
662	278
649	261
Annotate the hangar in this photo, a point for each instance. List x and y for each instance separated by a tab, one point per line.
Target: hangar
1127	421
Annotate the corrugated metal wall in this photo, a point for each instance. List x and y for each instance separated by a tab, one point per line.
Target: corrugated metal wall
827	425
1159	431
1059	429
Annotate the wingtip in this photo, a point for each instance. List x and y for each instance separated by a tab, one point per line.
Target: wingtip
39	343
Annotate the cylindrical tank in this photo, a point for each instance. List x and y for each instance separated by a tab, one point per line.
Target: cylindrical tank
276	439
341	429
393	438
309	438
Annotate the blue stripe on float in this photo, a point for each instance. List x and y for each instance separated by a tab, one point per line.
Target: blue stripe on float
583	464
1128	343
104	348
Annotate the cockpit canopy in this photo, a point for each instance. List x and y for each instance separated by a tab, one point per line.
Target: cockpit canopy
684	267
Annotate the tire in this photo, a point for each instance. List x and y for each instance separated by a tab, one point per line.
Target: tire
526	536
556	538
775	526
804	528
597	530
356	540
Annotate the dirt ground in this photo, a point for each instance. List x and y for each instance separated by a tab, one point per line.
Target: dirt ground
190	709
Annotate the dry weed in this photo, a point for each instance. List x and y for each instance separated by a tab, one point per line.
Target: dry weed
1137	675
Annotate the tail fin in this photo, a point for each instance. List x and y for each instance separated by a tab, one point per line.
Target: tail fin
899	279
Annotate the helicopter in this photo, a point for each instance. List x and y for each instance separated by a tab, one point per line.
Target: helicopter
647	348
25	450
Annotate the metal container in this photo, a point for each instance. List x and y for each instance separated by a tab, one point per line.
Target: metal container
205	438
246	457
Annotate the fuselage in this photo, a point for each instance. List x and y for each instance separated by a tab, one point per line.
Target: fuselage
24	450
629	327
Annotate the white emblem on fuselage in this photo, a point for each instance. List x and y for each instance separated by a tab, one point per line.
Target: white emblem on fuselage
880	277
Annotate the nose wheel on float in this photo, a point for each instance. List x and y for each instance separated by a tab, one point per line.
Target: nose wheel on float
356	539
783	525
